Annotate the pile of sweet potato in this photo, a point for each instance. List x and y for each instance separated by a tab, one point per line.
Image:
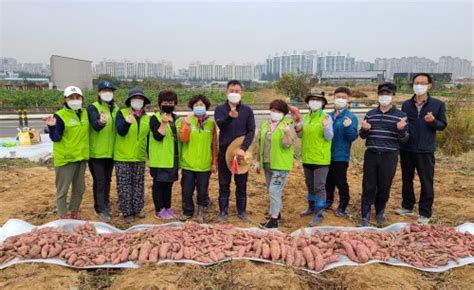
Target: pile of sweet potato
418	245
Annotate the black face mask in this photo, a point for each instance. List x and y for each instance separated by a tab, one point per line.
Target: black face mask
167	109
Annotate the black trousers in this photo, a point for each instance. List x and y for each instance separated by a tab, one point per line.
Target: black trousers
191	180
225	177
424	164
162	194
337	177
379	170
101	170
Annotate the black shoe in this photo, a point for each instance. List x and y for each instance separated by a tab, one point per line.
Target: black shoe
271	223
269	216
309	210
105	217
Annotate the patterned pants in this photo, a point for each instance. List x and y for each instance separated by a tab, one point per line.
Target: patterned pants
130	187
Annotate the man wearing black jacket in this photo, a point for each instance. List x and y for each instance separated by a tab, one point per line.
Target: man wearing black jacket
426	115
234	119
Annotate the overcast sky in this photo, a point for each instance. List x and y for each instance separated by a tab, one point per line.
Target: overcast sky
232	31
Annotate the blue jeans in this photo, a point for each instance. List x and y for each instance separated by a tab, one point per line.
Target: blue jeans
275	180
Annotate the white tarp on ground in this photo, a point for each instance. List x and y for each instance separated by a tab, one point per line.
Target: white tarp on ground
15	227
32	152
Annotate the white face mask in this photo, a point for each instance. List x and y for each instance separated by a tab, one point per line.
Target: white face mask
234	98
74	104
136	104
315	105
106	96
420	89
276	116
385	100
340	103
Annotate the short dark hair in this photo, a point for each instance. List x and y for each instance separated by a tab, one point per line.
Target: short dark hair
344	90
427	75
198	98
234	83
280	105
167	96
387	87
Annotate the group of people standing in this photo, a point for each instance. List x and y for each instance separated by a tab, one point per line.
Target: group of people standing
198	145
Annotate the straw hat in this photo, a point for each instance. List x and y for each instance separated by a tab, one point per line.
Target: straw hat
243	164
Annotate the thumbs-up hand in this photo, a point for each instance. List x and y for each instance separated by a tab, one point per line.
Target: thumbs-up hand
365	125
429	117
402	123
326	121
130	118
103	118
49	120
188	118
295	114
166	118
233	113
347	122
286	129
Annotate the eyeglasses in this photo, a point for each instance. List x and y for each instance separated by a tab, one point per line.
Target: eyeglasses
424	84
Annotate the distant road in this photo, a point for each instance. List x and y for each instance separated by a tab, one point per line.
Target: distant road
9	122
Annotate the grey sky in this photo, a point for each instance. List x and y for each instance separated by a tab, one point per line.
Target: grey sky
240	32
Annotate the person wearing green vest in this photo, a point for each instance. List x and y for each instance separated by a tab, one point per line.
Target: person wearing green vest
69	130
275	155
132	125
316	133
163	153
198	135
102	115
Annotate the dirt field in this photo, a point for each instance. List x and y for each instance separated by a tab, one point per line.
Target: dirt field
28	193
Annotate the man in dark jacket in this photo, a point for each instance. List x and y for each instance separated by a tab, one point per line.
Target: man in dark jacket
234	119
426	115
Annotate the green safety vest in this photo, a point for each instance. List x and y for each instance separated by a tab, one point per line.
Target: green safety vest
132	147
196	154
74	144
315	149
281	158
102	142
161	153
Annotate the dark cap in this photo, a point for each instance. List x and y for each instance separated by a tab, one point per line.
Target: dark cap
136	92
105	85
387	87
316	92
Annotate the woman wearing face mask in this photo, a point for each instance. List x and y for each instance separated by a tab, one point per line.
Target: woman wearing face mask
316	133
275	156
345	132
130	152
163	152
198	135
69	130
102	115
384	129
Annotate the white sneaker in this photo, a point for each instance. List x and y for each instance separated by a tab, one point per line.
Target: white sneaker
423	220
404	211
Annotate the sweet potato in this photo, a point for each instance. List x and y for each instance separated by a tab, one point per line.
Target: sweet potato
133	255
144	252
265	251
362	253
164	248
99	260
284	251
349	251
290	256
308	255
275	250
